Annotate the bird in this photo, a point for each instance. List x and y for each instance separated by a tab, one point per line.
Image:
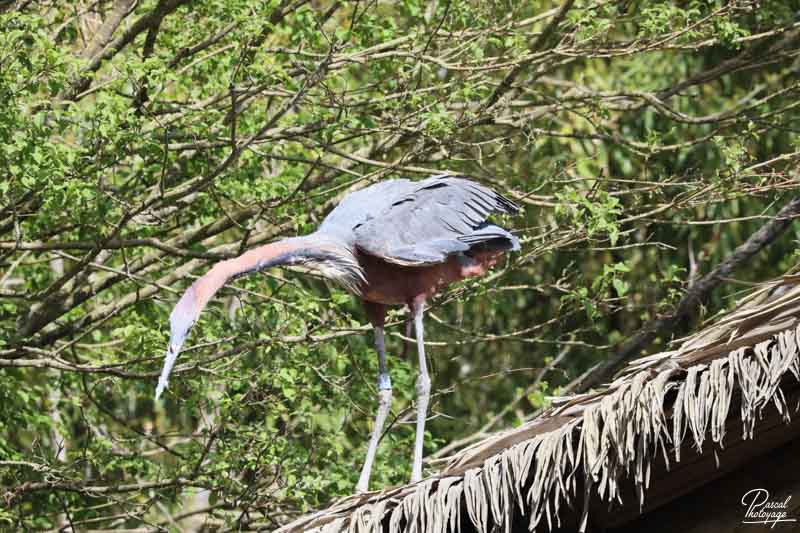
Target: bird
395	242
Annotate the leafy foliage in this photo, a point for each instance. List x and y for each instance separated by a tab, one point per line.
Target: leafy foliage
142	141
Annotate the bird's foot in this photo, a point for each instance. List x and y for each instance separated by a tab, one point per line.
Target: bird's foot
384	405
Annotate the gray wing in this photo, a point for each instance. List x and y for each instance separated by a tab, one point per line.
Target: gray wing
434	218
364	205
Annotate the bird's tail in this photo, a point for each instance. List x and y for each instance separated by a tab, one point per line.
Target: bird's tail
327	256
490	238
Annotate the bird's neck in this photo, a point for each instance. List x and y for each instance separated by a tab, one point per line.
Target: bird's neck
329	256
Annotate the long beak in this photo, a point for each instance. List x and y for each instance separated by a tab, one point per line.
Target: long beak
169	362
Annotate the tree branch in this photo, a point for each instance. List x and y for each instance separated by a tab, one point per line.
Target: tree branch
505	85
694	296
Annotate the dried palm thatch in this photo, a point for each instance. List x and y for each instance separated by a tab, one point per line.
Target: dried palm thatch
597	445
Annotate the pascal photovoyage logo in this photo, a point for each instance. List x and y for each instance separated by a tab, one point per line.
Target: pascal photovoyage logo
761	509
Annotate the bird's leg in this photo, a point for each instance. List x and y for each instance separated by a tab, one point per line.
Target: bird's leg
423	392
384	403
377	315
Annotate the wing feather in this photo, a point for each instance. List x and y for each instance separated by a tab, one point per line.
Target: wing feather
434	218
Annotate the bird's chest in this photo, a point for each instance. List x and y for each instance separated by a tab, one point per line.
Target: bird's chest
392	284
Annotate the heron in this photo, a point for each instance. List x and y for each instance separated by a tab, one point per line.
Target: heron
396	242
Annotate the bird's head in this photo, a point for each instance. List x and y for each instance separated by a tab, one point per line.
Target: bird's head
181	319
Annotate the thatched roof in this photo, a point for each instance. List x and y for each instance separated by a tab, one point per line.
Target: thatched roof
713	390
